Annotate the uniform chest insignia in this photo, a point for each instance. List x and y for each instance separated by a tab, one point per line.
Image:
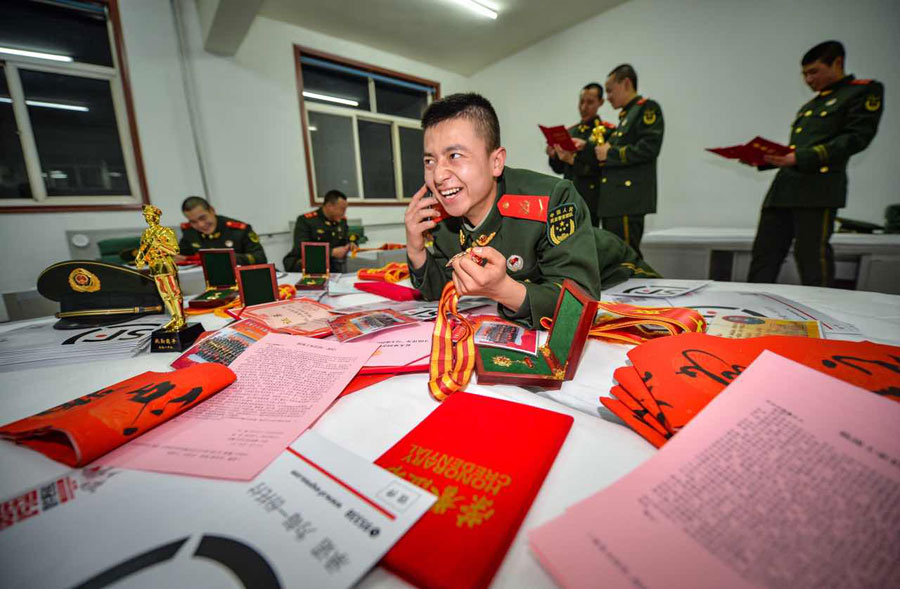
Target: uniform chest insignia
831	102
524	206
514	263
561	223
582	128
483	240
253	237
873	102
229	243
462	238
649	117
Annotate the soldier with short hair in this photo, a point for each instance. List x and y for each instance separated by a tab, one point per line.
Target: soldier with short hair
327	224
838	122
205	229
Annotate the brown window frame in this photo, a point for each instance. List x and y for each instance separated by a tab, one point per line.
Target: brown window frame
122	69
300	51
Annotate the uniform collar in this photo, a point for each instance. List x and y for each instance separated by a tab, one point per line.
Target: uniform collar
322	216
469	235
631	103
832	87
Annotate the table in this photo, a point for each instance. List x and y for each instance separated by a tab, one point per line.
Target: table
862	261
595	454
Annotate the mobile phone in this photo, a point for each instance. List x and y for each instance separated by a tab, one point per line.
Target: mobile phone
442	214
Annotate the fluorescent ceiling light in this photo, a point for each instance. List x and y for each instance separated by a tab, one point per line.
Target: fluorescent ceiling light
49	104
331	98
37	54
313	128
477	7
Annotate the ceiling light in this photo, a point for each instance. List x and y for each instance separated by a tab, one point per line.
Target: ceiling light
49	104
331	98
37	54
477	7
313	128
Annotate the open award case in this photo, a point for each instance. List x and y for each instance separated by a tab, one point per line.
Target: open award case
557	360
257	284
221	279
315	259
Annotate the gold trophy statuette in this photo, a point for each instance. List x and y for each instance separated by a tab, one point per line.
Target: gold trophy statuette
598	133
158	250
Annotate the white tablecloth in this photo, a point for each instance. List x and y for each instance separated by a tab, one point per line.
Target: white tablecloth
368	422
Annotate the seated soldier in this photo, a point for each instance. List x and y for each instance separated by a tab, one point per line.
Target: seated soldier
205	229
532	230
326	224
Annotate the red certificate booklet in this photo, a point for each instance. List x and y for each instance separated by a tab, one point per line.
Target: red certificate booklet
485	459
752	152
558	136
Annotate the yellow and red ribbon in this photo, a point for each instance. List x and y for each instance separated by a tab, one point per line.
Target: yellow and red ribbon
452	348
632	324
393	272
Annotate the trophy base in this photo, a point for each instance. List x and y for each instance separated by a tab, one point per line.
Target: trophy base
175	341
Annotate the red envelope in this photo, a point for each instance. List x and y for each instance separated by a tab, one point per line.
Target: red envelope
485	459
688	370
85	428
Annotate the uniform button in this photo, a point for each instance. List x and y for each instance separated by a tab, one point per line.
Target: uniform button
807	113
603	180
798	130
824	113
627	182
593	186
823	169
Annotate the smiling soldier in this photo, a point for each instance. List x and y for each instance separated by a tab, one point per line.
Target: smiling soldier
531	230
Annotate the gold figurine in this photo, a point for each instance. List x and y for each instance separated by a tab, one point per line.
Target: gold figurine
158	248
598	133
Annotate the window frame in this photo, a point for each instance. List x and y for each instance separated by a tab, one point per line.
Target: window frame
354	114
120	93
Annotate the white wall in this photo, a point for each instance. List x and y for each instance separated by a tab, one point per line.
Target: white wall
723	71
251	120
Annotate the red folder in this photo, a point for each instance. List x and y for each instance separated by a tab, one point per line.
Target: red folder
485	459
752	152
558	135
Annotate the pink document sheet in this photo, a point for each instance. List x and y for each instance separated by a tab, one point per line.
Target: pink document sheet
284	383
788	478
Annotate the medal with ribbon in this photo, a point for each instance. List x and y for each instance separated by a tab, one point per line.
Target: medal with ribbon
452	348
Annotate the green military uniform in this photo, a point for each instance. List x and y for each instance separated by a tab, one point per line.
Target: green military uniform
585	171
628	186
541	225
838	122
228	233
315	226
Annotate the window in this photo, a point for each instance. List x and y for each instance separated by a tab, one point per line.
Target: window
66	128
362	128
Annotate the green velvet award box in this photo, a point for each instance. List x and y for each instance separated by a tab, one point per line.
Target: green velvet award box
315	258
221	280
257	284
556	360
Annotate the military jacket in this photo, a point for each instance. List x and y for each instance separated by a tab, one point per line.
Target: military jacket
585	171
838	122
628	185
315	226
228	233
541	226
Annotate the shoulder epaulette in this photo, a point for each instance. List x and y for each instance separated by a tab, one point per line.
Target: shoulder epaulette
185	225
862	82
310	214
235	224
524	206
642	101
